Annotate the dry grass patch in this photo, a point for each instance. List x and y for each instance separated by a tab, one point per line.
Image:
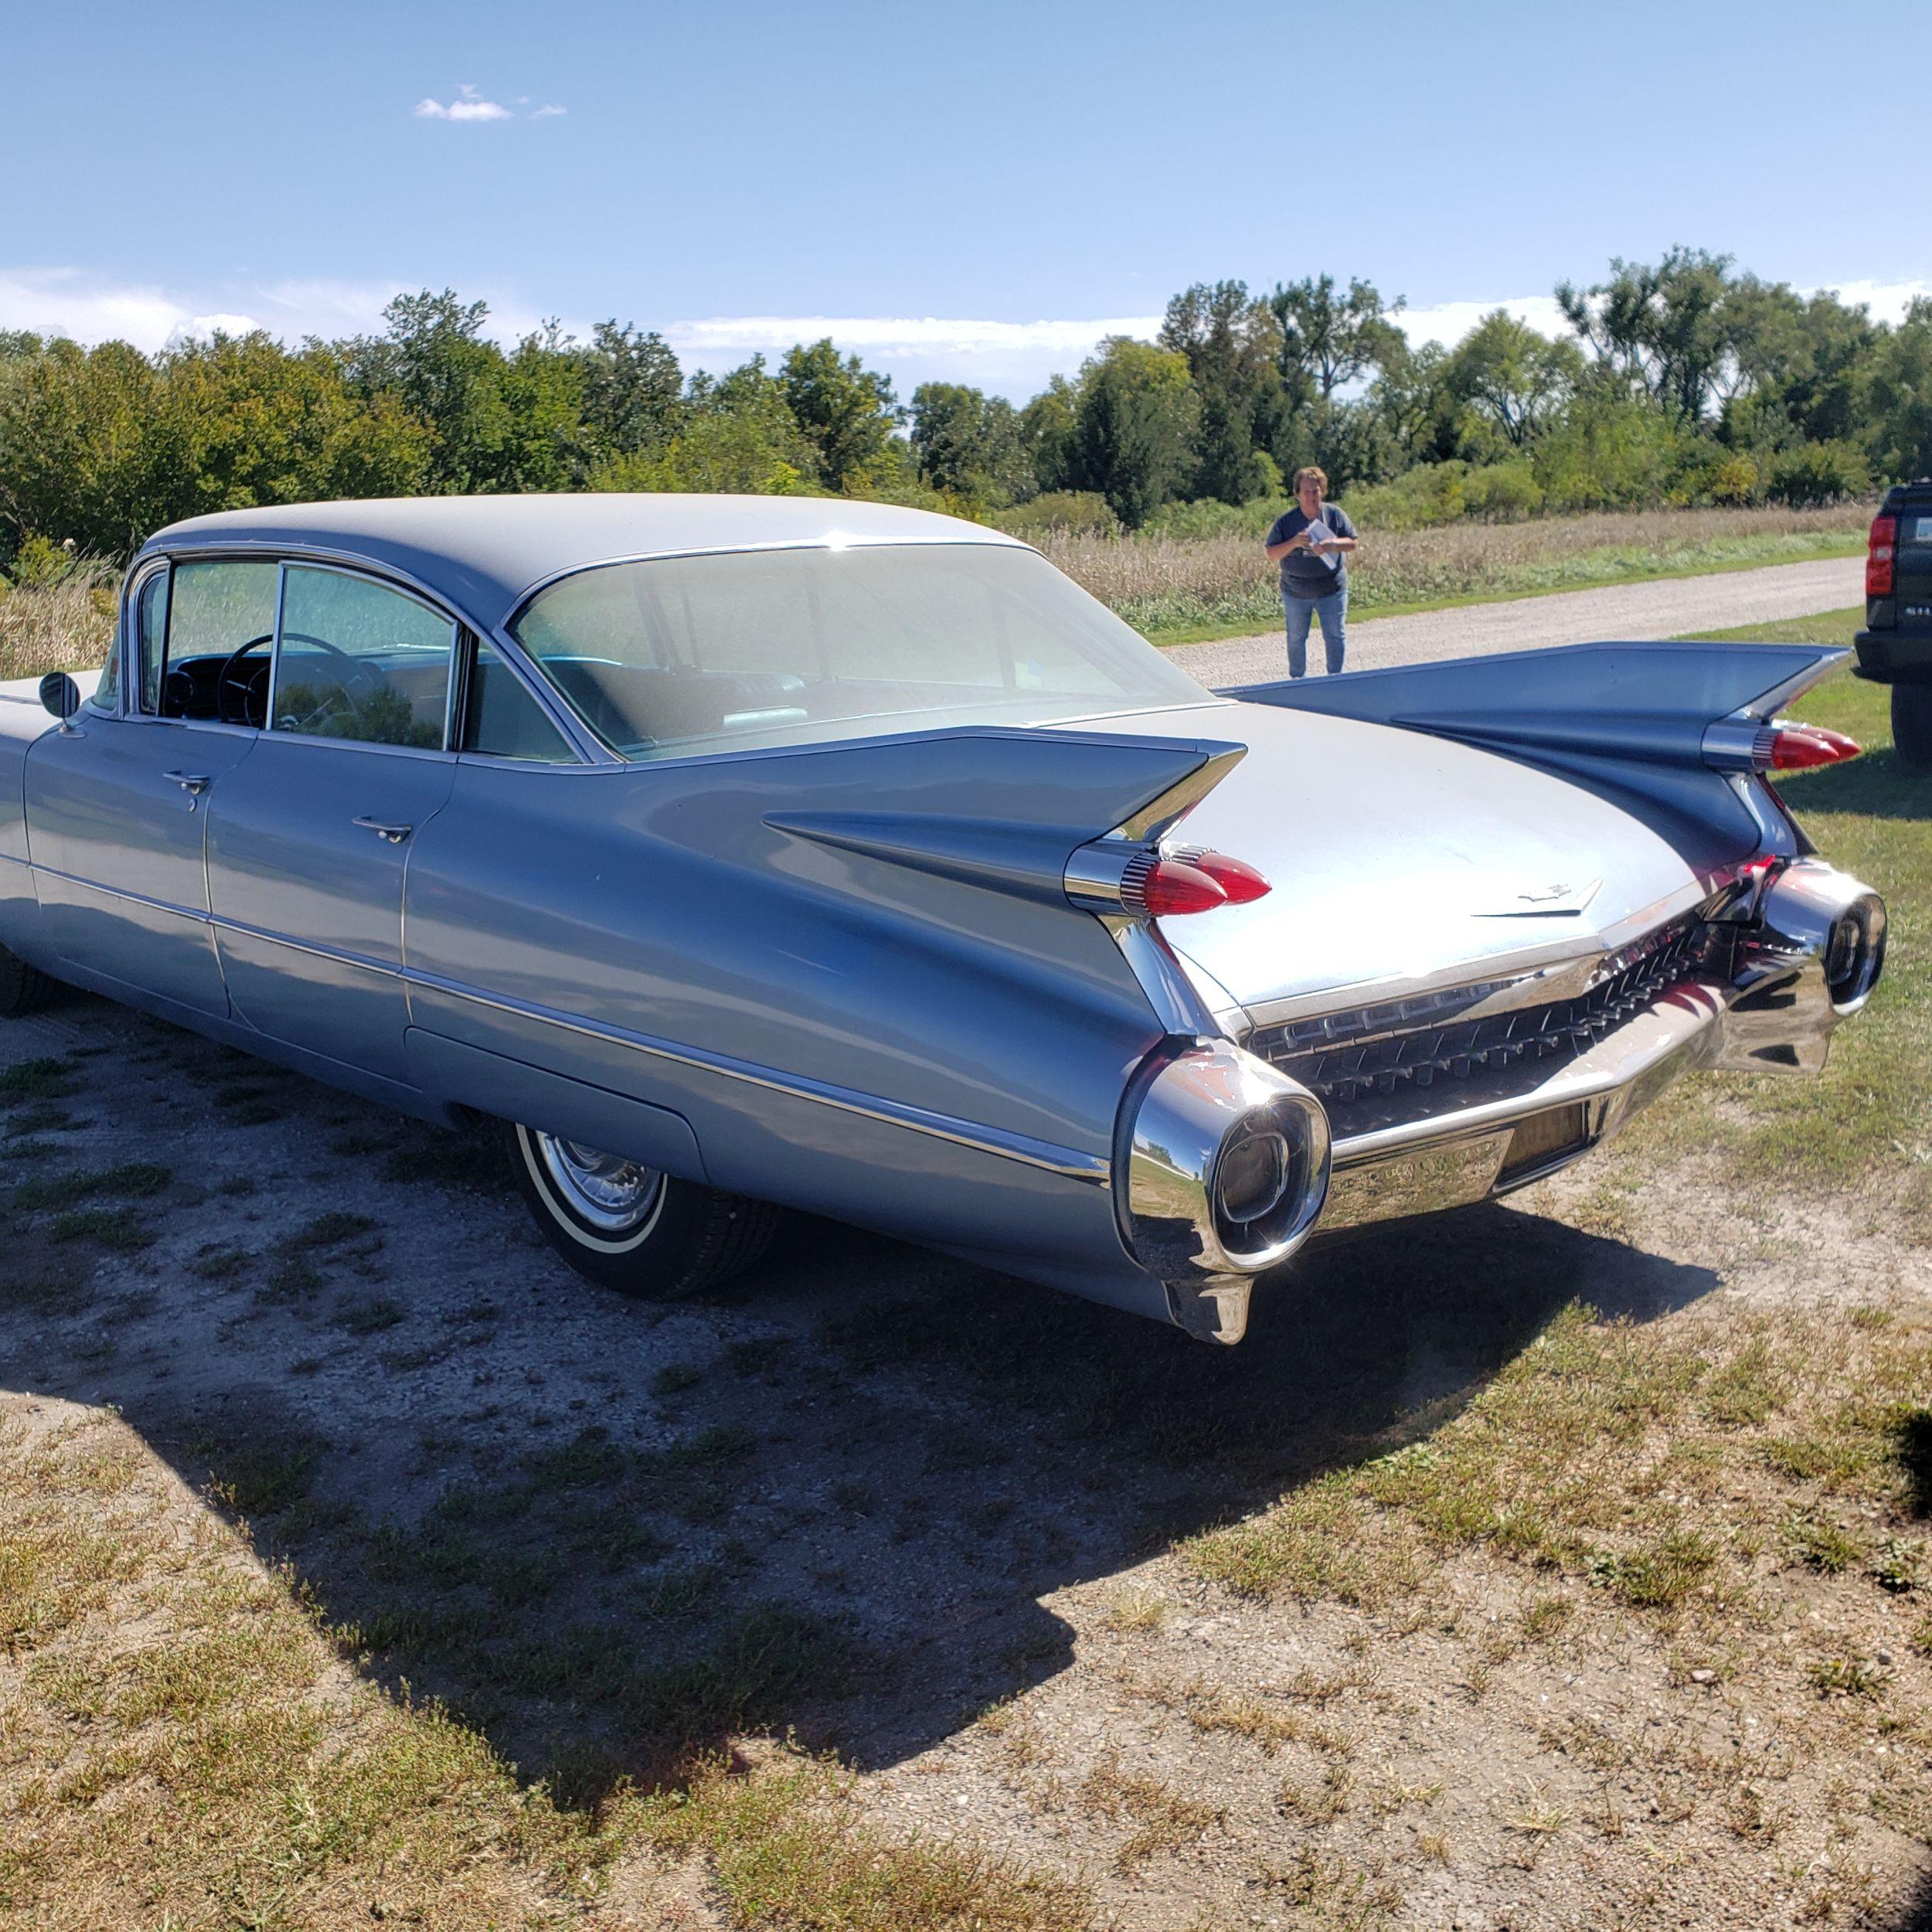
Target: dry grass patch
184	1746
62	626
1163	1821
1653	1460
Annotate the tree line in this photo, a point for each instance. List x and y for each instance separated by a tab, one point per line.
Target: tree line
1684	381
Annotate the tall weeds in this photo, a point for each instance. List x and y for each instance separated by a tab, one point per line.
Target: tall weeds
1163	584
62	626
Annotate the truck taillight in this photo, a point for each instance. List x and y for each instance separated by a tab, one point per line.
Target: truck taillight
1878	556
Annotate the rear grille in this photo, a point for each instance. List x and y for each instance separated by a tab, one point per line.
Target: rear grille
1374	1051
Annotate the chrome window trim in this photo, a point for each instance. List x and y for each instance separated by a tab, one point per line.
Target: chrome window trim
128	631
537	689
274	649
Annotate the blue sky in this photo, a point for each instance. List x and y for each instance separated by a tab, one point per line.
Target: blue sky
978	193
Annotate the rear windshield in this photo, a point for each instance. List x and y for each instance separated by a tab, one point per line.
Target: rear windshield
685	654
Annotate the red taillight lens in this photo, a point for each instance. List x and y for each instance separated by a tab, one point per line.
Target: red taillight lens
1238	880
1173	885
1878	556
1797	747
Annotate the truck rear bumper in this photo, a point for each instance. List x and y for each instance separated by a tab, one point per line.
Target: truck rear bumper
1894	657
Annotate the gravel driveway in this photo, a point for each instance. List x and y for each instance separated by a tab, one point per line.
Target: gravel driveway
1670	608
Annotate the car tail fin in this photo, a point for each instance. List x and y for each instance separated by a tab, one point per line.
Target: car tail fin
1650	702
1665	727
1003	809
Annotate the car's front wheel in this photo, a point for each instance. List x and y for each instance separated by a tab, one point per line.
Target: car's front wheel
630	1227
1912	723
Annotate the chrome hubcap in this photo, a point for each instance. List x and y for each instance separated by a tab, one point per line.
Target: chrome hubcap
607	1191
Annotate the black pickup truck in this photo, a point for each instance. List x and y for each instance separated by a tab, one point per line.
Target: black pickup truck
1895	647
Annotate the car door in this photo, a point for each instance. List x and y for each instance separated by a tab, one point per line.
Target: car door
307	850
116	808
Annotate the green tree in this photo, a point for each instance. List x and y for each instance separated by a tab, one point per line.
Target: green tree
1667	329
969	443
499	422
1134	427
1901	397
1329	340
262	426
1610	449
847	412
90	451
1046	427
734	432
1420	415
1233	344
1802	365
1511	376
633	390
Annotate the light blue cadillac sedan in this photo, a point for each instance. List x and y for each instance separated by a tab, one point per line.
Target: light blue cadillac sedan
731	854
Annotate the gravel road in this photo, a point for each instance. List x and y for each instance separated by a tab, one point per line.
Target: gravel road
1670	608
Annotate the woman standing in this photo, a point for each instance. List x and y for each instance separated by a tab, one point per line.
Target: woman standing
1311	544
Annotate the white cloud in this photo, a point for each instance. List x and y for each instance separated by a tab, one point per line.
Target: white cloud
1888	302
904	334
60	301
1008	357
547	110
1448	322
218	324
468	105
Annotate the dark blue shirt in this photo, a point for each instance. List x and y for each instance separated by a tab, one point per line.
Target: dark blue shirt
1304	576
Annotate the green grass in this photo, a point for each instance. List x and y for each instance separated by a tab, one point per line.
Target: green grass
1864	1129
134	1180
1546	1466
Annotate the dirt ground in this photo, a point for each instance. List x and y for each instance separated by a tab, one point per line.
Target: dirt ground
949	1519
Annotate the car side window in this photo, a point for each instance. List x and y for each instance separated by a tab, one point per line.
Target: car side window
106	691
501	718
151	638
201	615
359	661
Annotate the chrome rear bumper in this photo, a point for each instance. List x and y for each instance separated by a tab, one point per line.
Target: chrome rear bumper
1809	959
1783	970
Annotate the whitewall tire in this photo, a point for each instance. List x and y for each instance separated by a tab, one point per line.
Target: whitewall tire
629	1227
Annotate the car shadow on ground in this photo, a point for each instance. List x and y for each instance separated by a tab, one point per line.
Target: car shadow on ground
611	1535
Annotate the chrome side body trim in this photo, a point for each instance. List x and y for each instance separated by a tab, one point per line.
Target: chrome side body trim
1068	1161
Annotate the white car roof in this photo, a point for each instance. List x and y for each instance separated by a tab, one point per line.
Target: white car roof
483	554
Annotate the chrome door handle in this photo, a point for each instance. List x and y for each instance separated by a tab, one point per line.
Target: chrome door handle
193	783
394	834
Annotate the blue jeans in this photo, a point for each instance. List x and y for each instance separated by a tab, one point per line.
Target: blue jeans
1300	613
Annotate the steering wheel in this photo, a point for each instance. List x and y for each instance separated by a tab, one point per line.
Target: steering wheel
235	697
